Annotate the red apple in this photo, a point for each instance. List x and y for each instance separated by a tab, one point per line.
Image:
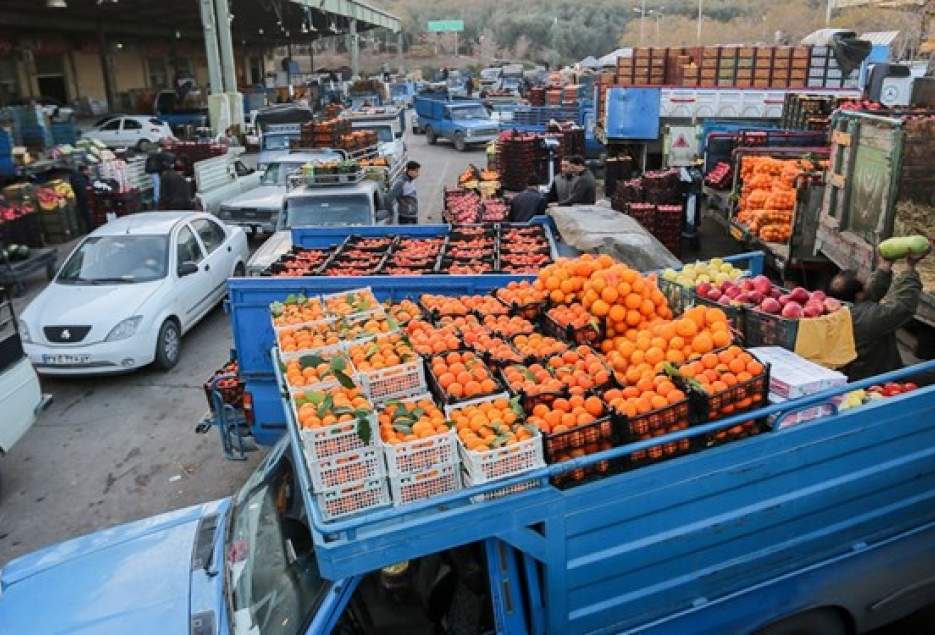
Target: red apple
792	310
762	284
785	299
703	288
800	295
775	293
713	294
831	305
813	309
732	292
817	296
724	299
755	297
771	305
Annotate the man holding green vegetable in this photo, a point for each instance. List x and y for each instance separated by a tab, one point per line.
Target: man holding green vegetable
878	311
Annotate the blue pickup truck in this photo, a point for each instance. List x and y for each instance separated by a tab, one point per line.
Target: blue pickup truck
464	122
820	528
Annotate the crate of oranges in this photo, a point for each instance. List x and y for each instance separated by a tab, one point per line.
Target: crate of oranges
573	323
347	467
651	407
345	303
387	366
365	325
581	369
523	299
538	347
726	382
428	339
416	436
403	312
296	309
352	498
309	336
435	481
574	427
494	440
533	385
305	370
439	306
333	420
460	375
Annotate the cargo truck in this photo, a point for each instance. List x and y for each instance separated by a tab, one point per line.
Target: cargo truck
825	527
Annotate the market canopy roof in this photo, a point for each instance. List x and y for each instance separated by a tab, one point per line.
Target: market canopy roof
254	21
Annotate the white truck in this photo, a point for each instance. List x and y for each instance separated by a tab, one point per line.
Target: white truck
387	122
326	201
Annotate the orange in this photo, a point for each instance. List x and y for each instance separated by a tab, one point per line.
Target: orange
655	355
755	368
600	308
658	401
709	360
686	328
720	338
561	404
675	396
609	294
714	314
647	307
617	313
633	301
702	343
456	390
594	406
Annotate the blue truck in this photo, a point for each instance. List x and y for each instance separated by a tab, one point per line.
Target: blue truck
825	528
464	122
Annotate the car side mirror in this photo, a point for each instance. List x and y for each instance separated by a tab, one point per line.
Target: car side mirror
187	268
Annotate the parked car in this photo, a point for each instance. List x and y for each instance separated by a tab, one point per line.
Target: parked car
129	291
21	398
130	131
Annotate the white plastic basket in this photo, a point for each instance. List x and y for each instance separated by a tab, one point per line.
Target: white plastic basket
316	350
499	492
374	303
277	328
498	463
438	480
410	457
352	498
349	467
461	405
402	380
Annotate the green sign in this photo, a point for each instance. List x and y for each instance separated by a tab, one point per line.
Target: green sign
446	26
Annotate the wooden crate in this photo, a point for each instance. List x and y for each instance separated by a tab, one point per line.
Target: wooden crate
782	52
801	52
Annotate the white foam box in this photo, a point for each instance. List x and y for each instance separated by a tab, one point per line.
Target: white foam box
792	376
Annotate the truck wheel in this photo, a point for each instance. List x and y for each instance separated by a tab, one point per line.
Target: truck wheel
459	142
168	345
430	135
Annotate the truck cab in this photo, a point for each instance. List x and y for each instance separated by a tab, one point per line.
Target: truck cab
489	78
464	122
21	398
253	201
363	202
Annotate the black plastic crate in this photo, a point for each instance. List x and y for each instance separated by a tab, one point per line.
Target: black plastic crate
707	407
658	453
589	334
589	473
766	329
655	422
736	314
355	241
678	297
443	397
597	436
738	432
530	311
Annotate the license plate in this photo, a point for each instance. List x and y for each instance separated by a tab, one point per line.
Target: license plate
248	214
65	360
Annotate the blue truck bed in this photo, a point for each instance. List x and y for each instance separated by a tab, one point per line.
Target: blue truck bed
722	540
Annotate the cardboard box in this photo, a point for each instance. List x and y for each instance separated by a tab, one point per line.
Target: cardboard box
762	73
800	64
711	52
792	376
762	83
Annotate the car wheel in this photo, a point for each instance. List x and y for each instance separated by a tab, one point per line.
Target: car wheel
460	144
143	145
430	135
168	345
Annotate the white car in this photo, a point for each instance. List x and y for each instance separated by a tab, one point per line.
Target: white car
130	131
129	291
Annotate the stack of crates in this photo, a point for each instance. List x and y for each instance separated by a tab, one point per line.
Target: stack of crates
746	59
825	72
762	66
727	67
782	64
806	112
798	70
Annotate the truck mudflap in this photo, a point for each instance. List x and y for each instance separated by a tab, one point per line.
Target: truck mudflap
690	533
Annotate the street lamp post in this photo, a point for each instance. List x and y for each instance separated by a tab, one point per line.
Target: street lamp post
642	12
700	18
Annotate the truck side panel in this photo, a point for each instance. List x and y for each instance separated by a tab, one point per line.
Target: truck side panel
684	533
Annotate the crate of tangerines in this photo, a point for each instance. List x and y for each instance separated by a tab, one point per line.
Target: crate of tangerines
387	366
523	299
460	375
574	427
573	323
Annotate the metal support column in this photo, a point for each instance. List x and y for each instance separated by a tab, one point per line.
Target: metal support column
228	72
355	49
106	68
399	51
209	24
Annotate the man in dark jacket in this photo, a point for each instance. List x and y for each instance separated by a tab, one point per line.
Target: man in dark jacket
528	203
80	181
404	195
175	192
561	184
583	188
878	311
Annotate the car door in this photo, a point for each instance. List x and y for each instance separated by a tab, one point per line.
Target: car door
108	132
194	292
219	253
131	131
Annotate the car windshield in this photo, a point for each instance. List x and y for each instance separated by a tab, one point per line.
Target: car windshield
384	133
276	142
467	113
277	171
271	572
349	209
117	260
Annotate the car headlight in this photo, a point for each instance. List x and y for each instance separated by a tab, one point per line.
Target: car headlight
126	328
24	332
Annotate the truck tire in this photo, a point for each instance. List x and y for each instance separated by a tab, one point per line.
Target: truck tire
816	622
460	143
430	135
168	345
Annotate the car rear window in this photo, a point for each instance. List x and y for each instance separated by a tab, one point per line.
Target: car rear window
155	122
